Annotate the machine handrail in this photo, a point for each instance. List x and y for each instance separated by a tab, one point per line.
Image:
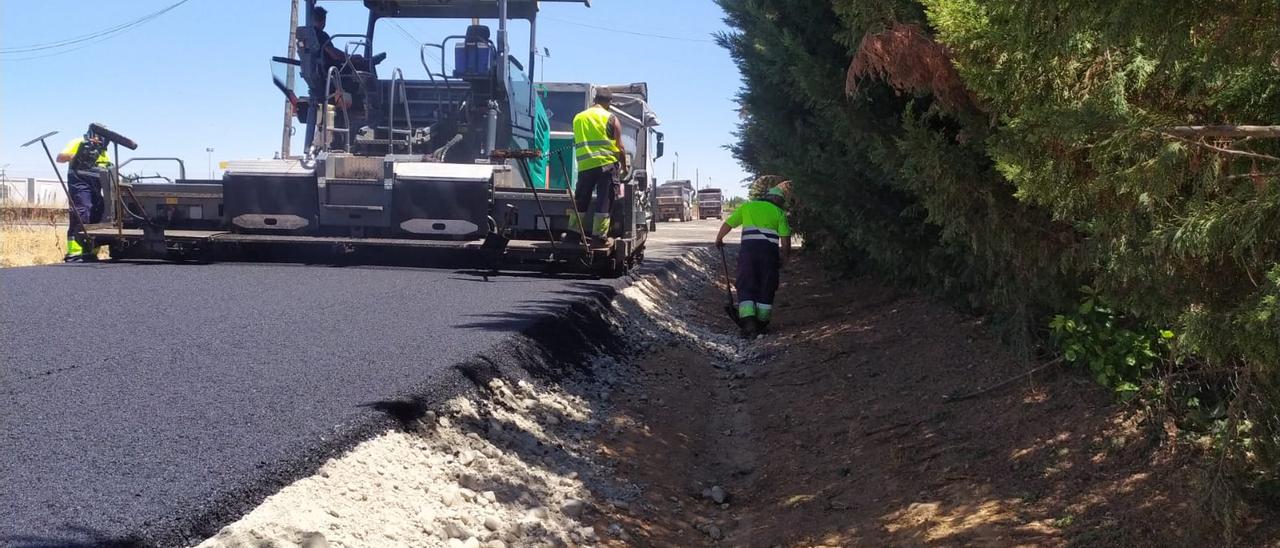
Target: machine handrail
360	42
397	74
328	82
182	168
444	75
422	56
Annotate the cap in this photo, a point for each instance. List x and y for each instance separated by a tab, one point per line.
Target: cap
604	94
777	191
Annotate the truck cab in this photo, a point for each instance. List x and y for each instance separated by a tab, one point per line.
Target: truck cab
676	201
710	203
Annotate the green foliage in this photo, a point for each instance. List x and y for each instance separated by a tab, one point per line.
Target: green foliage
1059	176
733	203
1117	354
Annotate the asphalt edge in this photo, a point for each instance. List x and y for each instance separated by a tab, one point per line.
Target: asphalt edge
551	347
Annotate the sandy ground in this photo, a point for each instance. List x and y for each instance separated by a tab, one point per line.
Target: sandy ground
31	244
35	241
833	431
516	466
491	473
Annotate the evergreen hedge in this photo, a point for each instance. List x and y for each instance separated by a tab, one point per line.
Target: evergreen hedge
1019	157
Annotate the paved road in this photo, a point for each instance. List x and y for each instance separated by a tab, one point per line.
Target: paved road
181	391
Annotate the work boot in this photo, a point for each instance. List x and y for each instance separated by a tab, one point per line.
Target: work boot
748	327
73	258
762	327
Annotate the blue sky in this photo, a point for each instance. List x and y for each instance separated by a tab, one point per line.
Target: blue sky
198	76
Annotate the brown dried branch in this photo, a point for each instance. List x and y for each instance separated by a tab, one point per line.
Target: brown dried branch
946	398
908	60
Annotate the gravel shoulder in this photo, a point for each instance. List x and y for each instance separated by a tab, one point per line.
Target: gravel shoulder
514	463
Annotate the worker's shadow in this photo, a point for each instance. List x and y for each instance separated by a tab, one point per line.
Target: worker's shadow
515	276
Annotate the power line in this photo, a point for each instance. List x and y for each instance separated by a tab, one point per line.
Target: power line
69	45
420	43
631	32
90	36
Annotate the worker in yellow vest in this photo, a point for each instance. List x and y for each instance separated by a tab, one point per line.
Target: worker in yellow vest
87	159
597	143
766	243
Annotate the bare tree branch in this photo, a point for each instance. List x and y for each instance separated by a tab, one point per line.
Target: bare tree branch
1233	152
1272	132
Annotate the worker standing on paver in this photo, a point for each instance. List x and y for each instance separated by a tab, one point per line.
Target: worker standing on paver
87	162
597	143
766	243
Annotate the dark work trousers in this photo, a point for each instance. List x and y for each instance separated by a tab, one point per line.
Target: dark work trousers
602	181
85	188
758	265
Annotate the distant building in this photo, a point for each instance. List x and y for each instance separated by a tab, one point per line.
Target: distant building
32	192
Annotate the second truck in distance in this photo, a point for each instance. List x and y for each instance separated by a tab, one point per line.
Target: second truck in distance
676	201
710	204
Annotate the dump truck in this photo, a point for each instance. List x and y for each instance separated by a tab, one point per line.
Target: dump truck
447	163
676	201
710	203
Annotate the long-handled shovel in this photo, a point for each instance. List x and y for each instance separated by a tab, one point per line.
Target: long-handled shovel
70	203
730	307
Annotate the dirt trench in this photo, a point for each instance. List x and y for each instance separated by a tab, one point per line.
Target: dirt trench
834	431
831	431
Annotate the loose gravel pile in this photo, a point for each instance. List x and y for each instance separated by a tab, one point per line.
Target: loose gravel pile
511	465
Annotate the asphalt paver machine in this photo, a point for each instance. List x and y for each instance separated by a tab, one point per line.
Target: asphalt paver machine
442	163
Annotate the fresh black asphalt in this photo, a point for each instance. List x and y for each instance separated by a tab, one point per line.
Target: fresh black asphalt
138	397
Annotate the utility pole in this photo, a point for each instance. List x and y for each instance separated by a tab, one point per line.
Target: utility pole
287	134
697	179
546	54
675	168
208	161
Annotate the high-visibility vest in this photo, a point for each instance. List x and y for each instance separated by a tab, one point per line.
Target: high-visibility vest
83	157
591	141
760	220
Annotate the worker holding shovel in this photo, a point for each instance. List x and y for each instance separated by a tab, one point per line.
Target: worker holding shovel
88	162
766	243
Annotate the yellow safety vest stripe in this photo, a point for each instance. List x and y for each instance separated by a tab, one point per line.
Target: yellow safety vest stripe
591	140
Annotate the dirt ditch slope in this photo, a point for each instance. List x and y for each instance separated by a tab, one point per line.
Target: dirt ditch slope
833	431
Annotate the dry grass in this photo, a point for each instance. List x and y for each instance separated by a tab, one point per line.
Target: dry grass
25	245
33	235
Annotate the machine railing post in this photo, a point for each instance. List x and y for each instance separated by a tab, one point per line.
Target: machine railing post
502	41
398	75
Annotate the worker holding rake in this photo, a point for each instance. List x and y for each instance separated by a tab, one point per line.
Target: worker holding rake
766	243
87	162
